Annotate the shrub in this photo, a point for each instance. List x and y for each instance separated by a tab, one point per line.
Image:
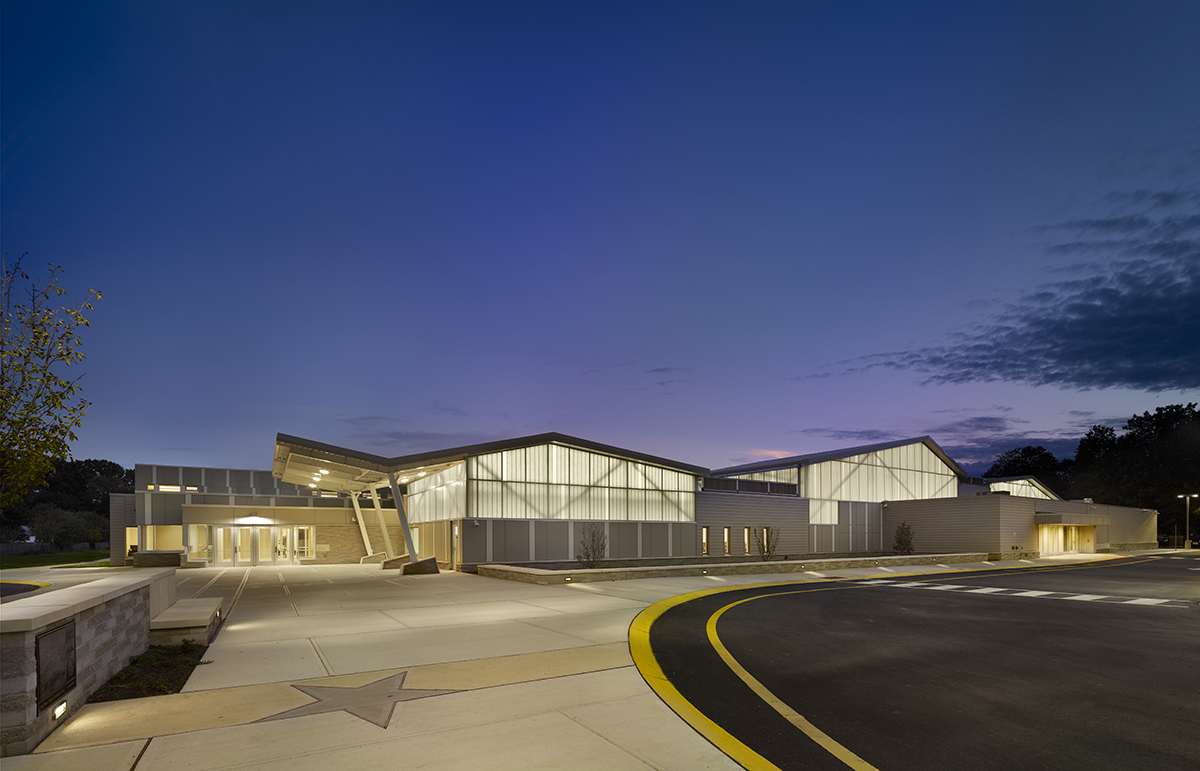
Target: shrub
904	539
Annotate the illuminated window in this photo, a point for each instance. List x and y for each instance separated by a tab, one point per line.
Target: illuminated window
168	488
746	540
768	538
191	489
304	543
728	545
704	540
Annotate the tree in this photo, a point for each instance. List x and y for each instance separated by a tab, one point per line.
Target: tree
903	544
39	408
766	542
1029	461
593	543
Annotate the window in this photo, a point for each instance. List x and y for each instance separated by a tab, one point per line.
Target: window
304	543
704	540
746	541
168	488
768	538
728	545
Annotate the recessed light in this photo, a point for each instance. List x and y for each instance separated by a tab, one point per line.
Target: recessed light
324	471
59	710
421	473
310	484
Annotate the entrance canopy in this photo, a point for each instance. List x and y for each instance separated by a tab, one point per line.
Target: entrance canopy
1072	519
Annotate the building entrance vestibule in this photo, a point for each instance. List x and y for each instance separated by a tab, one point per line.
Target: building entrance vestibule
252	545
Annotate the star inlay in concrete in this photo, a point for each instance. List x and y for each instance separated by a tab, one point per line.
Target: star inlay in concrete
373	702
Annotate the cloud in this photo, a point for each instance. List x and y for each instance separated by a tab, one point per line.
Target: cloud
1127	318
866	436
667	370
771	453
442	408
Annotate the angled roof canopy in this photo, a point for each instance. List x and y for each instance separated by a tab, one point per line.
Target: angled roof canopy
327	467
1031	479
821	457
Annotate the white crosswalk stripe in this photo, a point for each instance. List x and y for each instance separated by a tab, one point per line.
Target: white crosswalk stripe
1008	592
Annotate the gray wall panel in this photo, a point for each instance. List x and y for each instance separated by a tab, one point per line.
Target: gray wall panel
474	543
516	540
785	515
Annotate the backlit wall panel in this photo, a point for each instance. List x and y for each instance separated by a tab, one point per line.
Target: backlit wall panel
784	475
1022	488
903	473
551	481
439	496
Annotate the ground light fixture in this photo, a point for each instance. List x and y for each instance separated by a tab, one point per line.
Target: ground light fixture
59	710
1187	519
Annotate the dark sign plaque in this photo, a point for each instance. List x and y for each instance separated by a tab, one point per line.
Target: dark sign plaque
55	652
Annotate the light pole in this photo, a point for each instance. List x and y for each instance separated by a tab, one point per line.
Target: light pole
1187	519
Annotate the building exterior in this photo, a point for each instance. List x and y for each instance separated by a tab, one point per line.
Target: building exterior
534	500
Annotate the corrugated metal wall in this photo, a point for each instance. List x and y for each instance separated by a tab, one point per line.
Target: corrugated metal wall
950	524
524	540
785	515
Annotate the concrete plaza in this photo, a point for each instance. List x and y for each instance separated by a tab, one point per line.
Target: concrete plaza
358	666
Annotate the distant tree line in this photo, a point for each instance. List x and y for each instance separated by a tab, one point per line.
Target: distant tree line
1149	463
70	507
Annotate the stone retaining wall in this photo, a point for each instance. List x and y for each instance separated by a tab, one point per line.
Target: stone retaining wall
546	577
112	624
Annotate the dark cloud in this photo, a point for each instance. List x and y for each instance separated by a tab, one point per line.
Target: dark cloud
1128	318
865	436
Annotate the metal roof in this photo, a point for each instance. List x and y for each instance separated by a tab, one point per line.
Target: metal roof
821	457
328	467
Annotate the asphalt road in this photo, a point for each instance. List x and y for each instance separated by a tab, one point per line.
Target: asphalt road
954	678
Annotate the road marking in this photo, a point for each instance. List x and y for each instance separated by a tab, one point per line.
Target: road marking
650	670
792	716
1008	592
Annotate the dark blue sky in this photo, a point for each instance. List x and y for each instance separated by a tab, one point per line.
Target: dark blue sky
711	231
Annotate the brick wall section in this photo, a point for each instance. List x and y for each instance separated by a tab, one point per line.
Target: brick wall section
344	541
106	637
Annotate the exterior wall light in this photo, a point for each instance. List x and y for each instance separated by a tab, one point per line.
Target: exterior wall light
59	710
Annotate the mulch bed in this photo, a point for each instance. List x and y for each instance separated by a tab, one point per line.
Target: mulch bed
161	669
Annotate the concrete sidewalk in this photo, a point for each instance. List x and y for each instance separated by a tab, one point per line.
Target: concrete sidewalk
355	666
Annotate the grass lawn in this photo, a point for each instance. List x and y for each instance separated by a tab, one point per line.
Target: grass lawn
42	560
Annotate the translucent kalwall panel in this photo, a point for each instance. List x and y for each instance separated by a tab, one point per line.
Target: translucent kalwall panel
570	483
822	512
902	473
784	475
439	496
1021	488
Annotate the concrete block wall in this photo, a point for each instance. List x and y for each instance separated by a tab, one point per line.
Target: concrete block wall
107	635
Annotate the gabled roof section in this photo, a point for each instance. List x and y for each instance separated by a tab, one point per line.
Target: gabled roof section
328	467
849	452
